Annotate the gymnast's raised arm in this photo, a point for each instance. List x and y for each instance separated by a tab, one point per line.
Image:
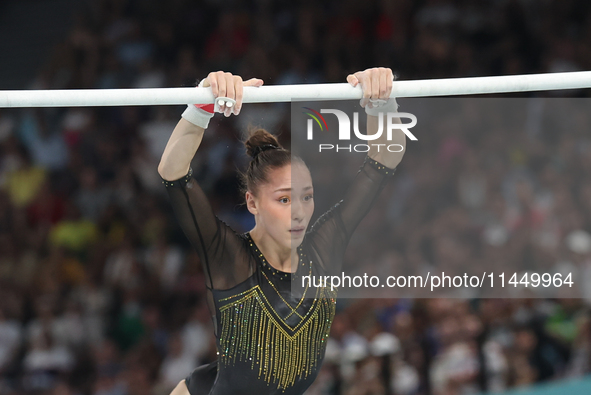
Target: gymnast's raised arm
216	243
377	86
188	133
333	230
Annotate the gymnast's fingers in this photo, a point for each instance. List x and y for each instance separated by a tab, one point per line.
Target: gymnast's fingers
230	91
206	81
238	89
375	83
351	79
221	84
254	82
389	83
213	78
365	82
385	83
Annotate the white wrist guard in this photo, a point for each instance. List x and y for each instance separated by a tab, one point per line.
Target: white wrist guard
199	114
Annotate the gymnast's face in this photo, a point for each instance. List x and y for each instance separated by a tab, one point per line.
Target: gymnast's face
284	205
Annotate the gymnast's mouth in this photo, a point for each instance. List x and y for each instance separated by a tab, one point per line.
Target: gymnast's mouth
297	230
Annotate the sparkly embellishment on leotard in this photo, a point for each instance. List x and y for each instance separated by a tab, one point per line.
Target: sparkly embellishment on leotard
181	182
378	166
276	273
294	310
252	333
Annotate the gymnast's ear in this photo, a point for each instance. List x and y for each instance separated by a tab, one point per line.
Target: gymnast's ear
251	203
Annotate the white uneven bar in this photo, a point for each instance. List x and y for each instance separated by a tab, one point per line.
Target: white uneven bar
289	93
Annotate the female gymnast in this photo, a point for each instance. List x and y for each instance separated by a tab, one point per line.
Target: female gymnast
270	340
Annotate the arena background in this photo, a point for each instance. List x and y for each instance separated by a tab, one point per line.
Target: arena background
100	292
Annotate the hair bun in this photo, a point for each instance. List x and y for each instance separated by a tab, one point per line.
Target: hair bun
260	140
260	148
259	169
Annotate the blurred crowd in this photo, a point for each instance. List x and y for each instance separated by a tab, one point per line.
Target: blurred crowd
100	292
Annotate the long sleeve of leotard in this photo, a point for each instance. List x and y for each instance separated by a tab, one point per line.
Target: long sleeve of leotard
220	248
332	231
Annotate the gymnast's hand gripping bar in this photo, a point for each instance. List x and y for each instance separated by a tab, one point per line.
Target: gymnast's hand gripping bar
289	93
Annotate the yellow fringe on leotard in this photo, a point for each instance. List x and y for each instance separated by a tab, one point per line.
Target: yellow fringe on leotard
252	333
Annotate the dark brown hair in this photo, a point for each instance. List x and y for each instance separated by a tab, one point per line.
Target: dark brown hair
267	154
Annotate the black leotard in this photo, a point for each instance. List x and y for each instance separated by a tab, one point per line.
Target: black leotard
269	340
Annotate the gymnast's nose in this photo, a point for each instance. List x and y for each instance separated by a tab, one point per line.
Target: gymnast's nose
297	212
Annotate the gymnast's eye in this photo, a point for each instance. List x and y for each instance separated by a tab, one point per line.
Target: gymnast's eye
308	197
284	200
